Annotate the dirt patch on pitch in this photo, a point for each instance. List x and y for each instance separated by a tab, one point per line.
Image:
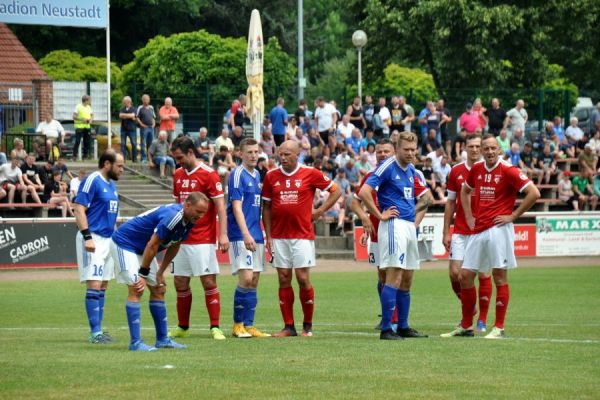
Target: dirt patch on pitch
41	274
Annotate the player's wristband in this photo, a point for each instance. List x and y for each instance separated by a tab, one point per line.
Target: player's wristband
87	235
144	272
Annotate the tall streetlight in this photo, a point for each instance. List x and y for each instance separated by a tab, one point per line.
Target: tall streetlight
301	80
359	40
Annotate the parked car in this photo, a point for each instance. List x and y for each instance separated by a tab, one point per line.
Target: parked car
100	133
583	114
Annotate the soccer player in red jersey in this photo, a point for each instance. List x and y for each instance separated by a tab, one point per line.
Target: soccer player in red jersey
288	216
491	243
197	255
455	242
383	150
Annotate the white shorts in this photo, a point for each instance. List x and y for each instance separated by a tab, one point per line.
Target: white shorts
373	253
457	246
293	253
244	259
127	265
398	246
196	260
492	248
96	266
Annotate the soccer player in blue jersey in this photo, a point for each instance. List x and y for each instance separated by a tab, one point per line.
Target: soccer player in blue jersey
96	208
398	184
134	247
246	250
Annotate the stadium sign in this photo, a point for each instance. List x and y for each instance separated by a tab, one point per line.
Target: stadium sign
88	14
30	243
568	236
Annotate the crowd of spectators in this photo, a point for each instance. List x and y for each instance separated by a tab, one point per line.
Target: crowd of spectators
341	143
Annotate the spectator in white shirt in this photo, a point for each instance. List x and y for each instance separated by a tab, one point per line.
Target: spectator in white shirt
74	184
54	134
386	117
574	132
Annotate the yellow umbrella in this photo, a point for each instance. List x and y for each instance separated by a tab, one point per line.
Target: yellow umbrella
255	100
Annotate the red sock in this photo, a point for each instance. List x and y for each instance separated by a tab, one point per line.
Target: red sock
184	306
395	316
456	288
502	297
307	298
468	298
286	304
212	298
485	296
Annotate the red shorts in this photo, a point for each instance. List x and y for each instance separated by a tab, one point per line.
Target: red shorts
6	183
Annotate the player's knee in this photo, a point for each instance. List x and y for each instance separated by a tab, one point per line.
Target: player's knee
182	283
208	281
500	277
285	277
95	285
467	278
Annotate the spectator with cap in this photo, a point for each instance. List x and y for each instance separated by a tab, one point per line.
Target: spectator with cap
565	191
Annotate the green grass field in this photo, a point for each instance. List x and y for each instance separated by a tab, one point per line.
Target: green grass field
553	349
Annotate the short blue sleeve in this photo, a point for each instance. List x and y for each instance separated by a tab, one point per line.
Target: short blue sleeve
85	195
235	185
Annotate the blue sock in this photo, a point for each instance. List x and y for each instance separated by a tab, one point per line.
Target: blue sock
388	301
251	302
403	305
159	315
101	305
93	310
133	319
379	288
239	304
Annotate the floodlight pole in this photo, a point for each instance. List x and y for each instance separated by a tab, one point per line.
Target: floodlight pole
301	82
109	132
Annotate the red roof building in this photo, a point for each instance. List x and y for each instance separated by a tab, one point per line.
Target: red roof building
25	89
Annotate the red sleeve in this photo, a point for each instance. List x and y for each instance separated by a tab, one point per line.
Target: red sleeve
319	180
517	179
175	186
452	181
267	190
470	181
215	188
419	186
362	182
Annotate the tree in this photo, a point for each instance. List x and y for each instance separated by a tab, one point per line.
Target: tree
415	84
66	65
336	80
182	64
461	43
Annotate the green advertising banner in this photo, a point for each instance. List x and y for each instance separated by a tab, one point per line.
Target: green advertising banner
568	236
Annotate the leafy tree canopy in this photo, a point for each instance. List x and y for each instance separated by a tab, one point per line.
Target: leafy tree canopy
182	63
66	65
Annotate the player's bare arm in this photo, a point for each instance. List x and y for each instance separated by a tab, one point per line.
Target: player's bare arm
423	203
238	214
222	213
82	224
367	199
335	193
531	195
357	208
449	210
465	199
266	216
150	252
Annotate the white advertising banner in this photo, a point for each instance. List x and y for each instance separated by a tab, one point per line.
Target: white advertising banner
432	229
568	236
